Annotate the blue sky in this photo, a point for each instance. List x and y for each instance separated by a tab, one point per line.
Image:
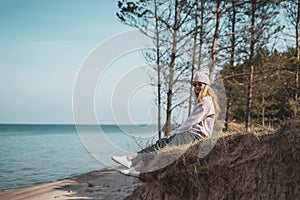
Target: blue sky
43	45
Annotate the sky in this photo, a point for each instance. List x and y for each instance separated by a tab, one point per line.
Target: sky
44	47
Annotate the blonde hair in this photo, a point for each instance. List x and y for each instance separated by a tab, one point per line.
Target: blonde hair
207	91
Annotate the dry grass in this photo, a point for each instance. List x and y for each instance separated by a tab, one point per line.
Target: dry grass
239	166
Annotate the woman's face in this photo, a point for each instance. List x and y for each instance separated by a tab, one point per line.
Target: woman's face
198	86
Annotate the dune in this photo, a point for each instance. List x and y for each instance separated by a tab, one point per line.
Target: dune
240	166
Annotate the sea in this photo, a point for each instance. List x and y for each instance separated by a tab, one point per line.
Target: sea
32	154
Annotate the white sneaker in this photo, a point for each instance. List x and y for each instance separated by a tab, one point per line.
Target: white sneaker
131	172
122	160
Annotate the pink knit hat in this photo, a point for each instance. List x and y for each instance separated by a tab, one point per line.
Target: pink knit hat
202	76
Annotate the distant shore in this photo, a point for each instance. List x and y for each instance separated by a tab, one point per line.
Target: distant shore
103	184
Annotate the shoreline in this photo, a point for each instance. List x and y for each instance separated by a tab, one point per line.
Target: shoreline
105	183
60	179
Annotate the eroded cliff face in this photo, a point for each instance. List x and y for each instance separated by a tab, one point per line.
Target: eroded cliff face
240	166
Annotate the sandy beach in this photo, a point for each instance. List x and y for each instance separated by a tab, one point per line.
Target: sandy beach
102	184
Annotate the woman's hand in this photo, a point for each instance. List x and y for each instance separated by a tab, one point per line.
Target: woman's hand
167	136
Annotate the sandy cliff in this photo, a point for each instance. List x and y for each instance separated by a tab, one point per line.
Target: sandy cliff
240	166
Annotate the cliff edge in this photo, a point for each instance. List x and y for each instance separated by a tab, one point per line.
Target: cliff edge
239	166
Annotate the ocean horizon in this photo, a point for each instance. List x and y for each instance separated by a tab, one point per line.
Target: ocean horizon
32	154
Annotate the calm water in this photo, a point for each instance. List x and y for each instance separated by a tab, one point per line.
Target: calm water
33	154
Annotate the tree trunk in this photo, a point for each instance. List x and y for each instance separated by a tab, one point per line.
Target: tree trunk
171	74
298	31
215	40
298	56
158	72
228	106
263	111
250	82
201	33
232	54
232	60
193	57
249	100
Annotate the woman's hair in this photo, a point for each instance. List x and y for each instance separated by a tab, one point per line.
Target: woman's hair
207	91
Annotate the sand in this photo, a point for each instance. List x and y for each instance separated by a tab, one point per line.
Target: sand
103	184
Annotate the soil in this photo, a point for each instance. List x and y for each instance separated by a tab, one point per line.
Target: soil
239	166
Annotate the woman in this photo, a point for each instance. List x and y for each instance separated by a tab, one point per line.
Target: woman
198	125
